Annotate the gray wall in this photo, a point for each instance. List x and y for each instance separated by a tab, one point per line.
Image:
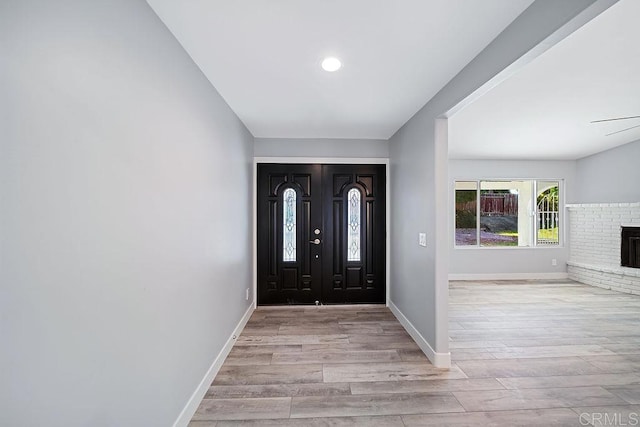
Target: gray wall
612	176
419	172
510	260
121	277
286	147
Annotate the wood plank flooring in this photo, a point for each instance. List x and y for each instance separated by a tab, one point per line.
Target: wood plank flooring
525	353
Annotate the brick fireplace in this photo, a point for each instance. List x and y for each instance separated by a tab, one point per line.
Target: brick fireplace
595	244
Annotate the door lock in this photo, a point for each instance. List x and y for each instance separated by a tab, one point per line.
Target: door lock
315	241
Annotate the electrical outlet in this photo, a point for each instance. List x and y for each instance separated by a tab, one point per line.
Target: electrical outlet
246	295
554	261
422	239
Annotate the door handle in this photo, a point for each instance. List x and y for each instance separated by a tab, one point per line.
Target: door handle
315	241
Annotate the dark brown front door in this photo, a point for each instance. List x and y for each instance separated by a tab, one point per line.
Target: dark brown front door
321	233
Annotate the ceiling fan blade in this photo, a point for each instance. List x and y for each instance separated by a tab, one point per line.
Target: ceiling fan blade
615	118
632	127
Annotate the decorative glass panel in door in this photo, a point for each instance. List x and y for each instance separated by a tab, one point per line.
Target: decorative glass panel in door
289	225
353	225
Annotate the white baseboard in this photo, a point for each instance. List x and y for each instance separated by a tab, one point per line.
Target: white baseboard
510	276
439	360
192	405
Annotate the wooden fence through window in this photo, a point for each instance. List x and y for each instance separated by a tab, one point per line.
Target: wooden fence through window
491	204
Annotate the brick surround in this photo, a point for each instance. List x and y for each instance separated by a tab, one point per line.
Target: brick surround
594	244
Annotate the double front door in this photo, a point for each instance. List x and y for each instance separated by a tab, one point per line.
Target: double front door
321	233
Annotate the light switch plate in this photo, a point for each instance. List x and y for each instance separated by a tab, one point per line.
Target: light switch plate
422	239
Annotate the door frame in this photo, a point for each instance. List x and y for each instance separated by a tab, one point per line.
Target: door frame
321	160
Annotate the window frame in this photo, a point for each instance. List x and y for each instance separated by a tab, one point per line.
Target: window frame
533	218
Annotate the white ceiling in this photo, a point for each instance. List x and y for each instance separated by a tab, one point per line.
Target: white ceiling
544	111
263	56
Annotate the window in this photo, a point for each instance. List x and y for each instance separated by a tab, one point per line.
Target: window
547	213
353	225
466	213
517	213
289	225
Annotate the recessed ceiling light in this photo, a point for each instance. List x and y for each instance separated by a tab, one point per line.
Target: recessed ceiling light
331	64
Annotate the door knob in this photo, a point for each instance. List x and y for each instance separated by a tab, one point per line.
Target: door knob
315	241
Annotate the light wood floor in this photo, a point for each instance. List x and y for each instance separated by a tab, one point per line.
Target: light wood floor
524	353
